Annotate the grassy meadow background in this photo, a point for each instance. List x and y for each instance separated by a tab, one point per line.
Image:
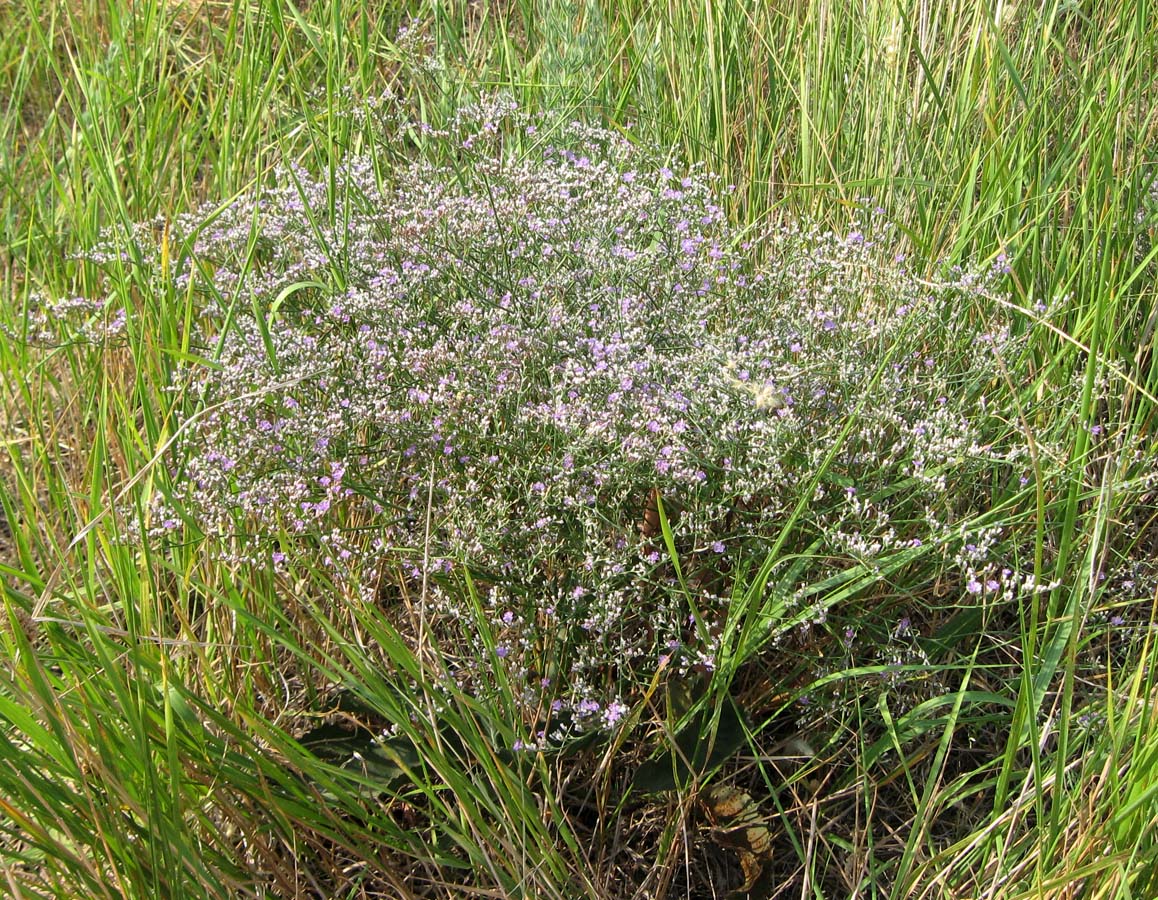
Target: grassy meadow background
152	700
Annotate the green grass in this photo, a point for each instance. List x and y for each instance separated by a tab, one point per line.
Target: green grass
150	701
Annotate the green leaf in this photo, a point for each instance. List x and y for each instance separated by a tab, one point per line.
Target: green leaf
697	750
387	761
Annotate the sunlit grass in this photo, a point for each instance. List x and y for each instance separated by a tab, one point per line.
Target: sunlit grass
153	697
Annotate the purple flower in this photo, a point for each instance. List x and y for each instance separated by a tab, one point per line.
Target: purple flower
614	712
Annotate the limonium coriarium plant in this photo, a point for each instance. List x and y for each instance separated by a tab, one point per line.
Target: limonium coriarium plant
536	368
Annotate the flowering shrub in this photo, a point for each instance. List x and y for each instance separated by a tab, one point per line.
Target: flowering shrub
71	319
513	365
